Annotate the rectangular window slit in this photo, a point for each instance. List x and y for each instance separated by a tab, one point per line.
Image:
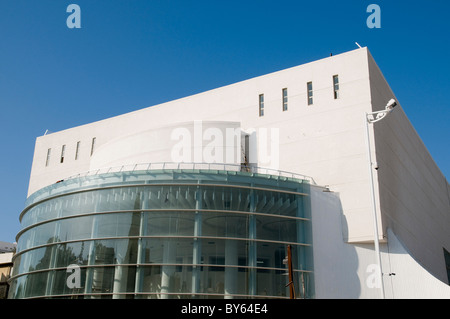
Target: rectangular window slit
261	105
47	161
93	145
336	86
63	150
310	93
285	100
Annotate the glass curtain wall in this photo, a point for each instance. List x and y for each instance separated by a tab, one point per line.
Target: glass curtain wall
183	239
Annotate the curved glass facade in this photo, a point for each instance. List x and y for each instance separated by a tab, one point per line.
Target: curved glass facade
165	234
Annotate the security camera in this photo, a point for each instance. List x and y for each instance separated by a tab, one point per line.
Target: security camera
391	104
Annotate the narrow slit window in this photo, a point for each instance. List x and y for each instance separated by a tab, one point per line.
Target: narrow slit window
77	151
47	161
285	99
309	86
336	86
63	151
261	105
93	145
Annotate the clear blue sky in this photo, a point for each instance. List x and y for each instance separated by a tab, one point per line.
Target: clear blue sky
133	54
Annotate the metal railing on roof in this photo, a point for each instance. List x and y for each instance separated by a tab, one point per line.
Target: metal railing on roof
194	166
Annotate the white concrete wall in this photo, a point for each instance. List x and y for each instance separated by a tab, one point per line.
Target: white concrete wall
413	193
324	140
346	271
335	262
411	279
198	141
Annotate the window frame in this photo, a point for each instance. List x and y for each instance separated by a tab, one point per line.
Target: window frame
47	160
77	150
63	153
261	105
336	86
309	93
94	139
284	96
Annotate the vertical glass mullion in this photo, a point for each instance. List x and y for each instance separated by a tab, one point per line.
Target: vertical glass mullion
196	252
141	243
252	254
261	105
91	255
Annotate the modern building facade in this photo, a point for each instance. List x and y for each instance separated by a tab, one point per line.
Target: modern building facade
203	197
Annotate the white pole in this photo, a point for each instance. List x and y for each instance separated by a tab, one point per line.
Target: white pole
374	211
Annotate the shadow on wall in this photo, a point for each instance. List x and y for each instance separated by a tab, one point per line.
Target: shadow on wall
411	279
335	262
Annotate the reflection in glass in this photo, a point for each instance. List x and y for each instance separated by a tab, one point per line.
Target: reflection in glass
165	241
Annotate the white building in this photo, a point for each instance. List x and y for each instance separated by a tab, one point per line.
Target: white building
307	120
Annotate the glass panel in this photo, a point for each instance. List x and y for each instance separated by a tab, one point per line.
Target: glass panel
274	228
164	250
225	198
35	284
271	202
102	279
35	259
72	253
59	284
16	290
36	236
81	203
116	251
43	212
170	224
224	252
75	228
335	79
118	225
224	225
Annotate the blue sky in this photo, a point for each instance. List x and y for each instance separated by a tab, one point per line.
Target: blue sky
132	54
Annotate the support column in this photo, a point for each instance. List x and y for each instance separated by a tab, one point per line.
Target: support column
56	234
91	273
141	246
196	250
252	246
120	272
120	281
231	273
168	269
